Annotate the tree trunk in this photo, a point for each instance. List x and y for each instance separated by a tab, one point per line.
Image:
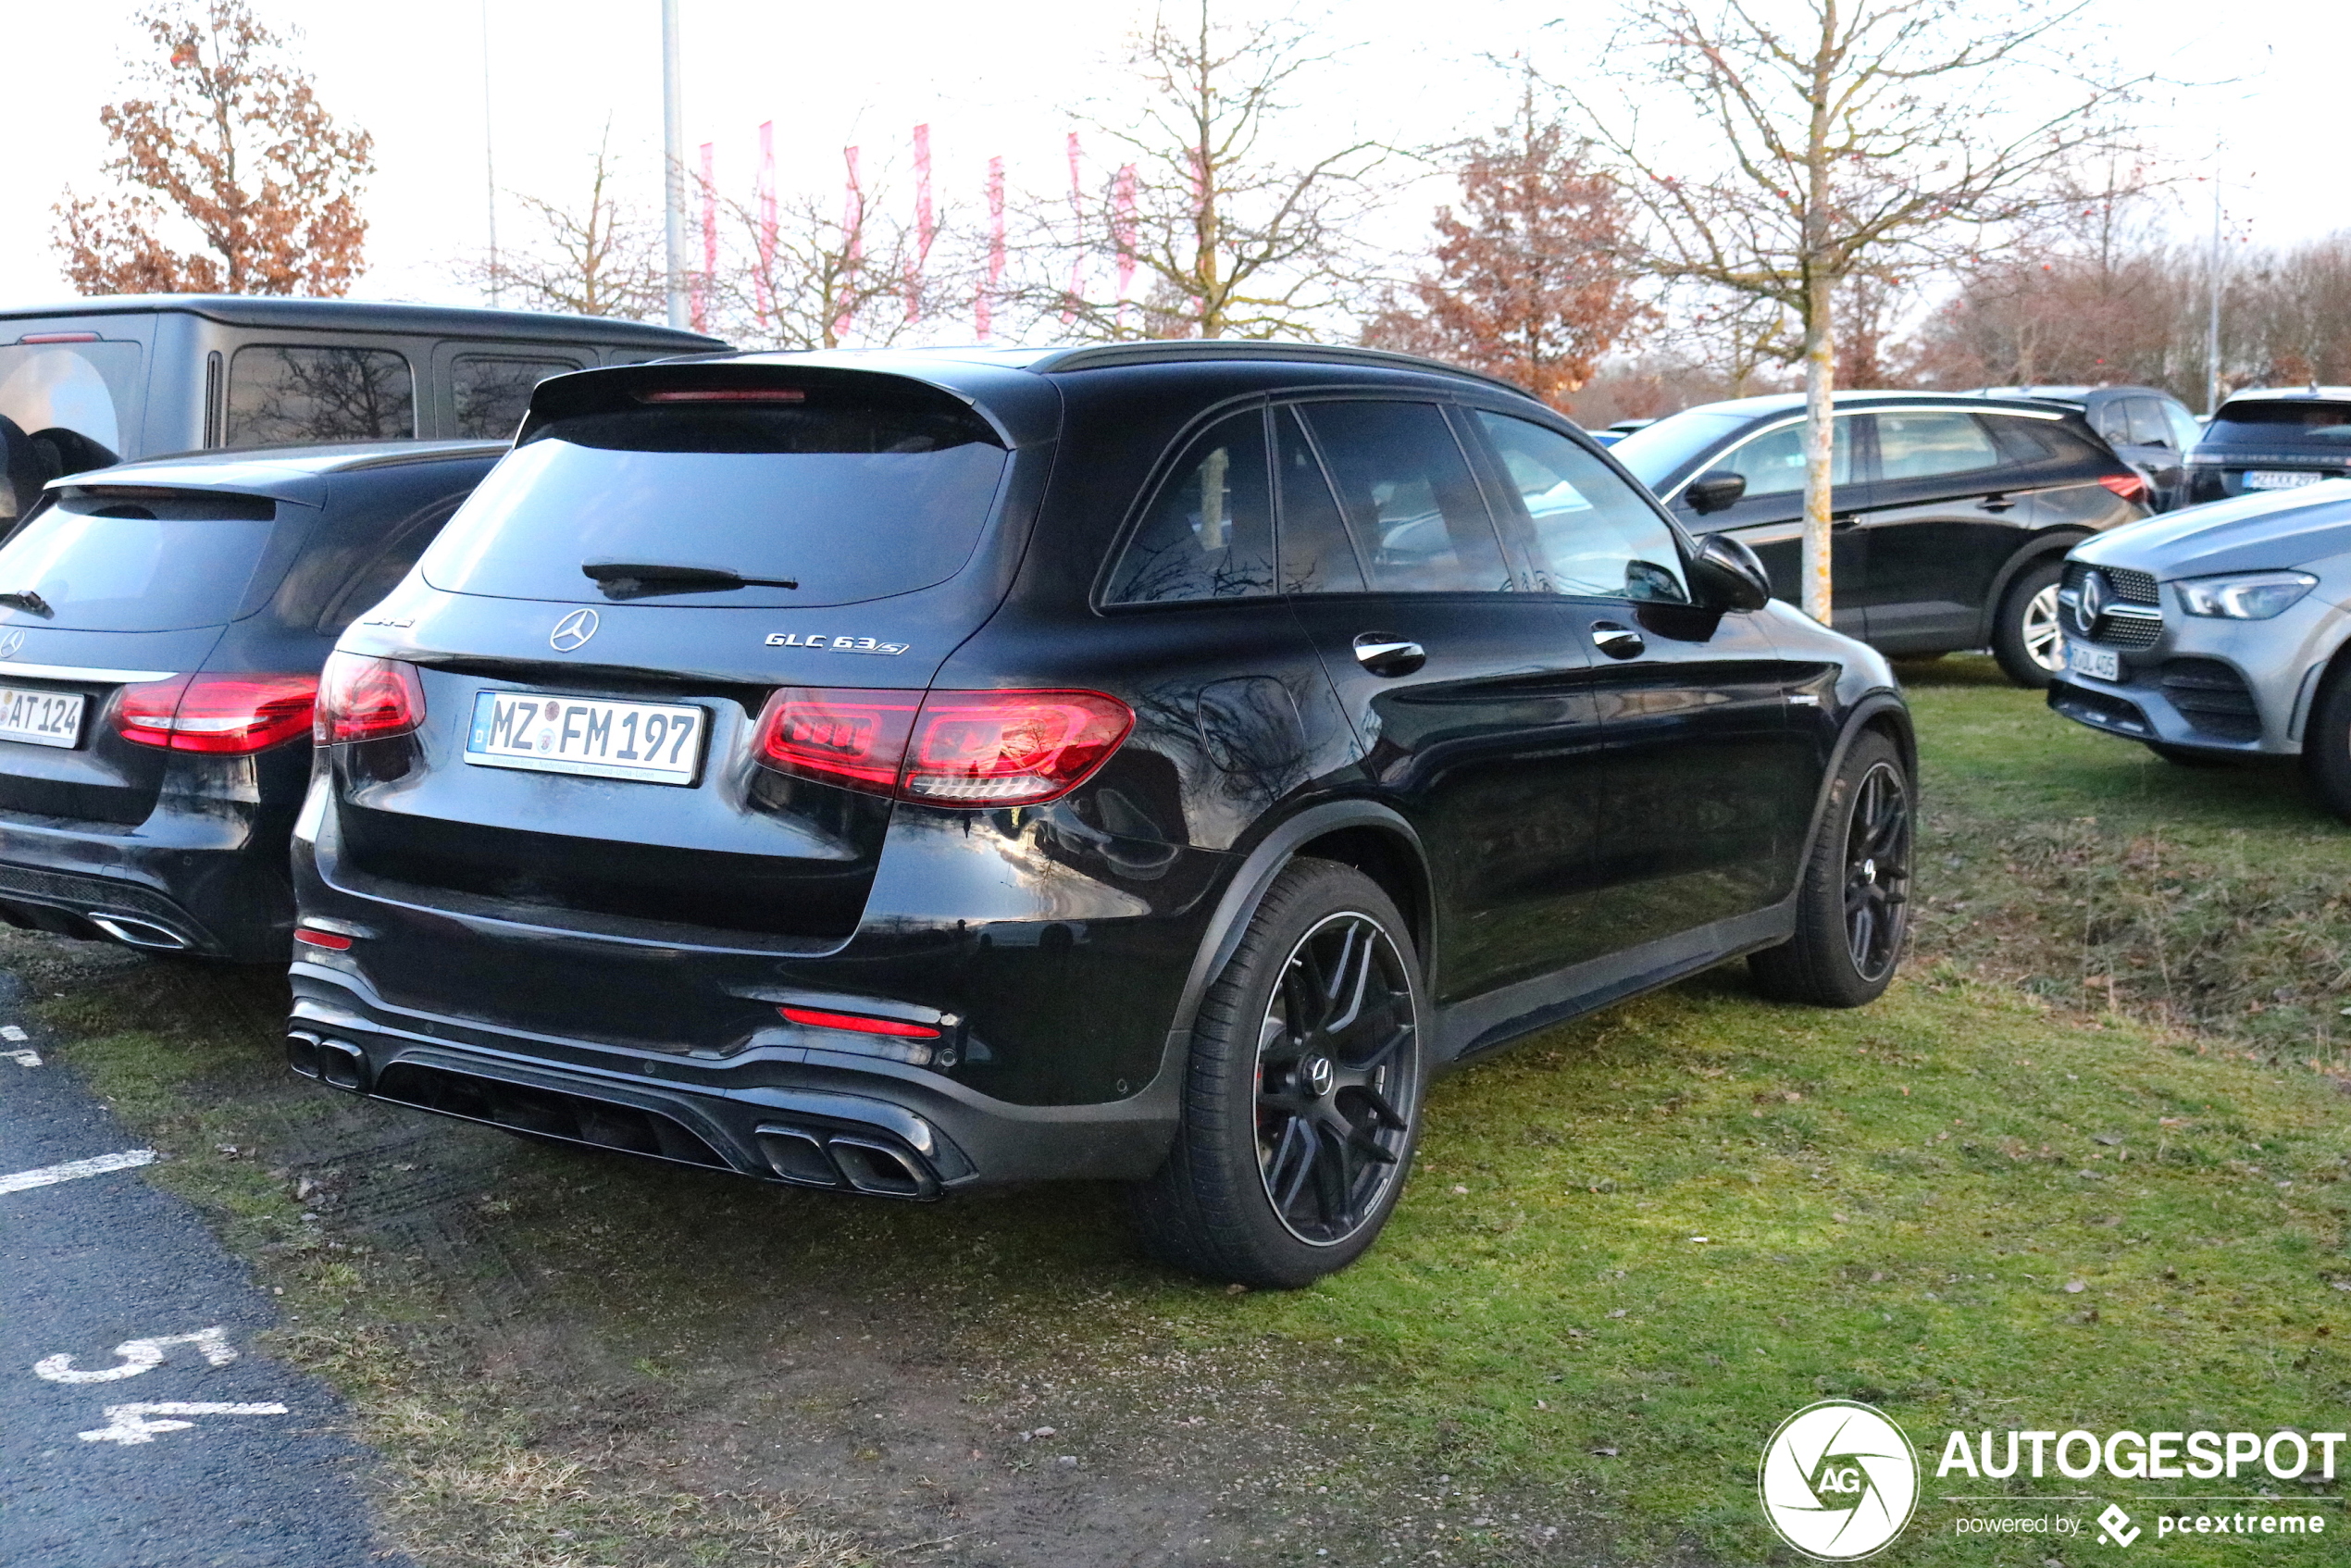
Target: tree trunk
1820	434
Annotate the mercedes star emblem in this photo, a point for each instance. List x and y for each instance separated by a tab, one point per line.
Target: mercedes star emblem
2087	608
11	645
572	630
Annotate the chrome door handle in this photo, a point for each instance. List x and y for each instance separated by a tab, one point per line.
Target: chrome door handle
1385	654
1617	641
1996	503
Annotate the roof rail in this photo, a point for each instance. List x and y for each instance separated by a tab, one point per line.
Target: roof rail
1159	351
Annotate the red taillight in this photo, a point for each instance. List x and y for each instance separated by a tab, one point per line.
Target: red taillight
949	748
2130	487
333	941
367	698
223	715
816	1018
724	394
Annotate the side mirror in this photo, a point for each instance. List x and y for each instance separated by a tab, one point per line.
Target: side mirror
1728	576
1715	490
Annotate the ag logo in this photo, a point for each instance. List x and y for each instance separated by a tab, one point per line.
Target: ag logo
572	630
1838	1480
11	645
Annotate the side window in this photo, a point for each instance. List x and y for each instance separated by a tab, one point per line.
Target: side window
1209	533
2185	431
1924	445
281	393
1417	519
492	392
1317	556
2148	427
1772	463
2112	421
1594	537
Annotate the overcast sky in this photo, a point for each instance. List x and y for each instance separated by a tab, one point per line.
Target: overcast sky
991	80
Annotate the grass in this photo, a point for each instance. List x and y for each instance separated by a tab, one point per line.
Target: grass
1999	1197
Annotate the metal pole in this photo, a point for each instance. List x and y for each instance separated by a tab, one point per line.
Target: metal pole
673	148
2212	312
489	156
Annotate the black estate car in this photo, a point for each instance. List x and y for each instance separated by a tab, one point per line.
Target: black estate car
1952	511
2147	427
2270	437
896	772
102	381
161	629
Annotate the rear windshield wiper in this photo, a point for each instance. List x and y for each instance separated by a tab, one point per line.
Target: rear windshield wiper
632	580
26	599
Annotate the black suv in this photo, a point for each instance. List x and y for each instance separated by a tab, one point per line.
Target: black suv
1952	512
2267	438
2147	427
902	771
161	629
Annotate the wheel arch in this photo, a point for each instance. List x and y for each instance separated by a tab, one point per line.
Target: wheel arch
1374	839
2320	678
1879	713
2033	552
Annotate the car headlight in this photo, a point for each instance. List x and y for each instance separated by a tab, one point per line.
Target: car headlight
2243	596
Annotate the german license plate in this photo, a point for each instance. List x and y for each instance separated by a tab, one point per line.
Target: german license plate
2101	664
2280	478
651	743
41	719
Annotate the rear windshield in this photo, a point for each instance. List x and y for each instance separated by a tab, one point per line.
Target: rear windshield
846	500
161	562
2269	424
89	388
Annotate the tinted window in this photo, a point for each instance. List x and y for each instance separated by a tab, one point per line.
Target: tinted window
2269	423
1772	464
90	389
2148	427
851	497
1921	446
1593	536
381	570
1317	556
158	560
491	393
2112	419
2185	431
281	394
1417	516
1656	452
1210	531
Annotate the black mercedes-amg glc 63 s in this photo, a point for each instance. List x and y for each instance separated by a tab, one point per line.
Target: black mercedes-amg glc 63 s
898	772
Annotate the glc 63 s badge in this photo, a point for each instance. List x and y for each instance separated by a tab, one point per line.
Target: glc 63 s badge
833	644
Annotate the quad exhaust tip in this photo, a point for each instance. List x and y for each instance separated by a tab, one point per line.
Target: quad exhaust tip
336	1063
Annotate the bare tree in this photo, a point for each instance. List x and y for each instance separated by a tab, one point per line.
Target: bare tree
230	144
1229	239
1529	282
795	277
601	258
1856	136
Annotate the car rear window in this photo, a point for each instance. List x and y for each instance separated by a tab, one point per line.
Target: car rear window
2267	424
89	387
848	496
128	560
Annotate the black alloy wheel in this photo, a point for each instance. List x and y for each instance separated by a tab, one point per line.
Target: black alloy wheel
1334	1052
1852	911
1302	1100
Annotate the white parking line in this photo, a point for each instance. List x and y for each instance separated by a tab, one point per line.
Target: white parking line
24	1058
136	1424
97	1165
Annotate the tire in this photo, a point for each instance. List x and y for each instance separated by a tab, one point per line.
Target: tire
1852	911
2189	756
2326	745
2025	637
1262	1188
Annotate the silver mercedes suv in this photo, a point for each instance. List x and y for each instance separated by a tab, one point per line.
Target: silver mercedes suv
2218	632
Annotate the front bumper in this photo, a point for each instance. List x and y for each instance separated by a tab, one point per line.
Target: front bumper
2240	688
798	1116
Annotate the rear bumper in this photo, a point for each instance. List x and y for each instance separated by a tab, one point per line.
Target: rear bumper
794	1115
228	901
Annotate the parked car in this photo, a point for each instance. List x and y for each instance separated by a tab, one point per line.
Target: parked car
2147	427
962	777
2267	438
161	629
108	380
1952	511
2219	632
